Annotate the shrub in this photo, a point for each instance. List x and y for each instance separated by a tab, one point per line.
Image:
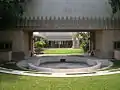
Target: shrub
40	44
85	46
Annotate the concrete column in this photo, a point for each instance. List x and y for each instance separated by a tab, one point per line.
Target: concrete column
104	44
78	43
31	43
18	45
92	41
18	41
107	44
98	39
50	44
74	42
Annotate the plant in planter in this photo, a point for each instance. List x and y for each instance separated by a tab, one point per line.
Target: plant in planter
39	45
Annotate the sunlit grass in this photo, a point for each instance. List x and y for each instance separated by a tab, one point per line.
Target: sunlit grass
14	82
63	51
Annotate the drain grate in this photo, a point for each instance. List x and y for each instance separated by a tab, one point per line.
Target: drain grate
62	60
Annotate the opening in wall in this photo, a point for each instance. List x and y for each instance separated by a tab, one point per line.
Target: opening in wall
5	46
117	45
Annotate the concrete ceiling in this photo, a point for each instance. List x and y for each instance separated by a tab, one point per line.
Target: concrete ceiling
55	35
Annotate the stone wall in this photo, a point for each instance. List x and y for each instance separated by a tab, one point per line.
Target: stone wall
20	43
16	37
117	54
5	56
105	42
98	43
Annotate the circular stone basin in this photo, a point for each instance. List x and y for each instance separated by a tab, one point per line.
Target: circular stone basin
64	64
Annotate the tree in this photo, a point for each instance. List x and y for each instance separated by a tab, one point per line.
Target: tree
115	5
10	12
83	38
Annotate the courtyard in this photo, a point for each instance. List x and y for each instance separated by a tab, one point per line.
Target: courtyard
77	45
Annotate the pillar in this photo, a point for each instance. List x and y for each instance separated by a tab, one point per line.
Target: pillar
107	44
74	42
31	43
99	41
104	43
92	41
18	42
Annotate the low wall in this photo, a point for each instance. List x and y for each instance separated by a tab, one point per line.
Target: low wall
76	70
34	64
17	56
5	56
117	54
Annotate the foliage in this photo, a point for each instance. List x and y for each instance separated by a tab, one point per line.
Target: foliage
115	5
83	37
85	46
40	44
41	39
10	12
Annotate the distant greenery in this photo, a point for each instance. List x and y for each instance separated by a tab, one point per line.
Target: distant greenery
83	37
10	12
40	44
115	5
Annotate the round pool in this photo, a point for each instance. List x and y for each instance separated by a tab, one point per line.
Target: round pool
64	64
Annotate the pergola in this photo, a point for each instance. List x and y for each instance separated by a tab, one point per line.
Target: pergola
64	24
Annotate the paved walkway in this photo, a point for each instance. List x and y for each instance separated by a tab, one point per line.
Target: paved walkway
16	72
62	55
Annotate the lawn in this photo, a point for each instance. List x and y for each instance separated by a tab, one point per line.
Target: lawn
63	51
116	64
14	82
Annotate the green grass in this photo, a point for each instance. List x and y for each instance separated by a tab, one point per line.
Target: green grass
116	64
14	82
63	51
